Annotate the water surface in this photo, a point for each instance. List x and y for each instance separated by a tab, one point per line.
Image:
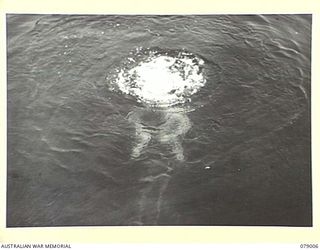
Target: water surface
236	151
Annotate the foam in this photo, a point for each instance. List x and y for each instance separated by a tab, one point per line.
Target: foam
163	80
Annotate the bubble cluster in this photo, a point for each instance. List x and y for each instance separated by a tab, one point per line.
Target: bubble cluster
160	78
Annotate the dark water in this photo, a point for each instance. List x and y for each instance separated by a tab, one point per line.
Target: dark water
238	154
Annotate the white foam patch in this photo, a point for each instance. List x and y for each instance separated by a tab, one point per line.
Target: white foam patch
163	80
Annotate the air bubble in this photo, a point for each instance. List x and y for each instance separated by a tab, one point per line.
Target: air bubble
161	78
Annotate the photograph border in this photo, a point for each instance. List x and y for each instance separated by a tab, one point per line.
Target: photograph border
165	234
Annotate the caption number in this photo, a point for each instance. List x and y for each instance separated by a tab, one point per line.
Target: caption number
309	246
